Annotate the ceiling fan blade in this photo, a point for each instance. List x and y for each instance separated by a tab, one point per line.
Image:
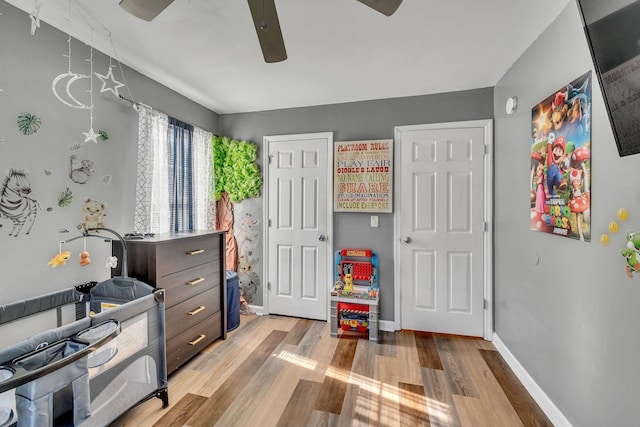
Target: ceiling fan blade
145	9
265	19
386	7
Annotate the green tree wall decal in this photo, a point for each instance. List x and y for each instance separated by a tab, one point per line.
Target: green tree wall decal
237	177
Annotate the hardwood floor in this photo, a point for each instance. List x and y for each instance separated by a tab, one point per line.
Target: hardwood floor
280	371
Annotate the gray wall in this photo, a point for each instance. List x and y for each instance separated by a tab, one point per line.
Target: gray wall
28	65
572	319
358	121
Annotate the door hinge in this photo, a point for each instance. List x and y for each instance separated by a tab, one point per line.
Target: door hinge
268	223
270	158
486	304
269	287
486	149
485	226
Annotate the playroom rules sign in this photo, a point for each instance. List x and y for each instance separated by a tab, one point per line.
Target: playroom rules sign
363	172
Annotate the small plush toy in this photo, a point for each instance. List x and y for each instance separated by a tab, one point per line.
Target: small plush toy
59	259
84	258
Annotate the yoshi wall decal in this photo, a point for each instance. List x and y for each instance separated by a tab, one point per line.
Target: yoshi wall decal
631	253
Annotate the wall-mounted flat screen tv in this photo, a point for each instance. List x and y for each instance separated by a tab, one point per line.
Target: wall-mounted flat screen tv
612	28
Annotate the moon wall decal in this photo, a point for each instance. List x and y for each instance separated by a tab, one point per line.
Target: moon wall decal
64	95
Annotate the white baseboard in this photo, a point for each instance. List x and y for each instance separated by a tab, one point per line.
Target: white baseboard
386	325
258	309
548	407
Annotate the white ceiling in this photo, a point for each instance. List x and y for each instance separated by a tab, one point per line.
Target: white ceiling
338	50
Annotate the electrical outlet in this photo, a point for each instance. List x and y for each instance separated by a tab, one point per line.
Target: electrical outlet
374	221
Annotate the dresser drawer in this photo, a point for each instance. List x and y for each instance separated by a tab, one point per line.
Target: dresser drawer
184	315
188	283
180	254
186	345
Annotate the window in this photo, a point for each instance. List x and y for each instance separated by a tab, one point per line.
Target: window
174	175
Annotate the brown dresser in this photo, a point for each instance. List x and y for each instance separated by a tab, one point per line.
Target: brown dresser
189	266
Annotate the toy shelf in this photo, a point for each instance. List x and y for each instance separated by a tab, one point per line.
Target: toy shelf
355	295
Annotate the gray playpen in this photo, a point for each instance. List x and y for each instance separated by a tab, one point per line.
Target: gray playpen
92	370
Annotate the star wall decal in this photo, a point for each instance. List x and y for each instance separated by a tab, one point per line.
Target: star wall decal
35	17
90	136
109	83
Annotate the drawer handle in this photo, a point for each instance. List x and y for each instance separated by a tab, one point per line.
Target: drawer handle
196	252
197	340
196	311
195	282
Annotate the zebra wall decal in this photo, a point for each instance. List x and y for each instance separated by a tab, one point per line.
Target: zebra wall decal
14	202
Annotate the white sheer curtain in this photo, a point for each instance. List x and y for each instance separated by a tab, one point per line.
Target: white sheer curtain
204	208
153	210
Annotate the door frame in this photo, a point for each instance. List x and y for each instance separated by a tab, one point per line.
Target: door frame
487	124
266	140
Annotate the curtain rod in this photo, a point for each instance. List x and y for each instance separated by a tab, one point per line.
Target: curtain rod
136	104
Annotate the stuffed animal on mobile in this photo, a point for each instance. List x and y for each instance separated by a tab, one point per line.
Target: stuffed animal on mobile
84	258
59	259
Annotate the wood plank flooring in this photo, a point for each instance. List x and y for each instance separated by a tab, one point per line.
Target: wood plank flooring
280	371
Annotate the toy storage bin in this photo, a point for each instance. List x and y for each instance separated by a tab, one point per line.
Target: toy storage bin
233	300
7	399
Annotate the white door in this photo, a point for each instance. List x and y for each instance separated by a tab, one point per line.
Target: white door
299	184
442	243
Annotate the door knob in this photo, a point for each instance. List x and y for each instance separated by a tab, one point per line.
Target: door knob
322	238
406	239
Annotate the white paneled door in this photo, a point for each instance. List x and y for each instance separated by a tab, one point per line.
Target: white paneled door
442	222
299	224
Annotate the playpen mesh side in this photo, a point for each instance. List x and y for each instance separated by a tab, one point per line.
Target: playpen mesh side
138	367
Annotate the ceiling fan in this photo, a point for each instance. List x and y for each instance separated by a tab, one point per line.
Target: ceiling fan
265	19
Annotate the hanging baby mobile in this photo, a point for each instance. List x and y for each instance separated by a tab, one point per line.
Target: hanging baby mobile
62	257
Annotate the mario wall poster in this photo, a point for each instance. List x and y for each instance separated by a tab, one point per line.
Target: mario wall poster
561	162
